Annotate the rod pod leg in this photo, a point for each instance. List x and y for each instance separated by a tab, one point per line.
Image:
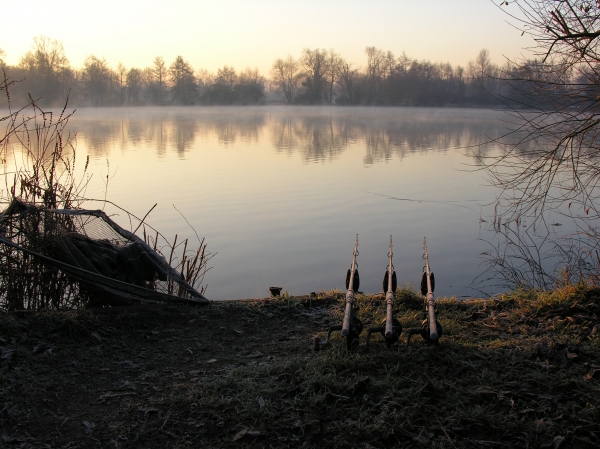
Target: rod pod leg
318	344
356	328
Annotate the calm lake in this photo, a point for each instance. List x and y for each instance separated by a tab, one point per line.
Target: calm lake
281	192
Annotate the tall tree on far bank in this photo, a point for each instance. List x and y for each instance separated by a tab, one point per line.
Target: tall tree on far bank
183	83
221	91
333	65
349	80
284	75
250	87
46	70
483	76
97	78
122	74
314	69
159	74
375	73
135	83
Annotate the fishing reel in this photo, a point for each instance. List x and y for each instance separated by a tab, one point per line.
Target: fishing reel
393	337
355	327
352	338
425	332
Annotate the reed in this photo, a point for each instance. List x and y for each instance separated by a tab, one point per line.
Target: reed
39	156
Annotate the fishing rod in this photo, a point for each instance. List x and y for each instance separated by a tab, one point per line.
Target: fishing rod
391	327
351	327
430	329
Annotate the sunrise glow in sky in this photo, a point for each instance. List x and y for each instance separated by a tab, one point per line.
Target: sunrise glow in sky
253	33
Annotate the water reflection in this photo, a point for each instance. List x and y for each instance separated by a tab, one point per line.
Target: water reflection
278	192
316	134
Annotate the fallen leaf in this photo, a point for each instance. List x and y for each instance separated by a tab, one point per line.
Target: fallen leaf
211	361
96	335
261	402
240	434
8	354
89	426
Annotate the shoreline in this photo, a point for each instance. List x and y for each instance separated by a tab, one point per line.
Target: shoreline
515	371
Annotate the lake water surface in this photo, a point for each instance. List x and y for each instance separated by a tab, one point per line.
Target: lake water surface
280	192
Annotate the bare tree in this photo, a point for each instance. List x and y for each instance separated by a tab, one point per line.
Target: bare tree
551	161
483	75
159	73
285	74
332	69
97	79
2	56
250	87
554	162
349	81
46	68
135	82
122	74
314	70
205	79
226	77
375	71
183	82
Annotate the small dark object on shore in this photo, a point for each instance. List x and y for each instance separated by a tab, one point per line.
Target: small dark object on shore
275	291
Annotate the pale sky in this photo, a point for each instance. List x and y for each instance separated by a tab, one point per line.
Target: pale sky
253	33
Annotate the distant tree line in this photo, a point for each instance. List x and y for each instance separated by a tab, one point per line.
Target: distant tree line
316	77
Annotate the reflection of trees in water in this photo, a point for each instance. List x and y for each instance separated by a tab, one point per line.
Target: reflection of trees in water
383	134
99	136
379	146
284	136
230	128
317	138
420	136
321	139
180	135
167	131
317	134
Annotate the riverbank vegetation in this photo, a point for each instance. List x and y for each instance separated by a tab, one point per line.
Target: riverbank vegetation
548	170
316	76
518	370
46	178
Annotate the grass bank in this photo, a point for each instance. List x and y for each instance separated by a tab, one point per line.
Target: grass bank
522	370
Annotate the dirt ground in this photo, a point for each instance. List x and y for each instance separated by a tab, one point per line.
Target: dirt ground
513	372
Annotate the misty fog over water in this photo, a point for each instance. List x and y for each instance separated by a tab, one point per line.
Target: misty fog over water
280	192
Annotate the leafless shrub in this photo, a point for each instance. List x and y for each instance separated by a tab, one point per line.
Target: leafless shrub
550	162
